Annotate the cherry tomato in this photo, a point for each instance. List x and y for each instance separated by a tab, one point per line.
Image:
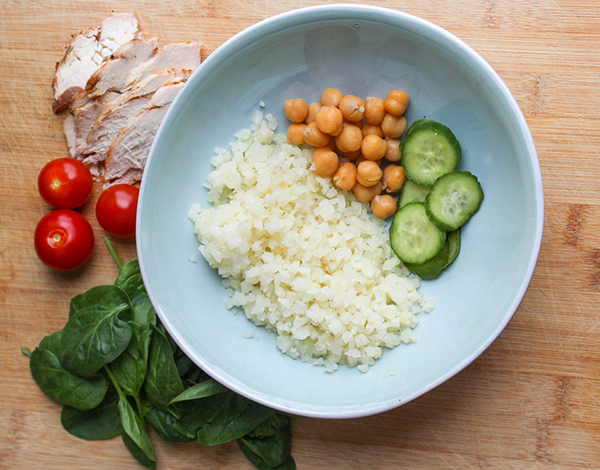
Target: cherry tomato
116	210
65	183
64	239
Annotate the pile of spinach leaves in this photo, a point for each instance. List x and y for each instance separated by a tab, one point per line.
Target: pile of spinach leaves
116	369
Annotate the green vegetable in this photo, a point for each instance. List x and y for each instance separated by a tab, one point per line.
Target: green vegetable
232	418
97	331
453	200
164	425
130	367
60	384
135	428
412	192
413	237
137	453
113	337
429	150
102	422
162	382
259	463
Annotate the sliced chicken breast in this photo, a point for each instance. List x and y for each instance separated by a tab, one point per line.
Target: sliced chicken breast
130	149
87	52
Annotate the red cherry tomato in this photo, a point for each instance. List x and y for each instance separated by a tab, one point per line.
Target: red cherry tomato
116	210
65	183
64	239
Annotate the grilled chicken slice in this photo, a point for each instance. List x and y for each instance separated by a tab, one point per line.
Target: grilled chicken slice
70	135
87	52
184	55
130	149
117	114
112	76
85	117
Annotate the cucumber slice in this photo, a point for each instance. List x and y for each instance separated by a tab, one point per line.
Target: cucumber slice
429	151
453	200
412	192
413	237
453	240
434	267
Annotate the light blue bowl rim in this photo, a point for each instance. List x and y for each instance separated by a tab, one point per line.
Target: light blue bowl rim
394	18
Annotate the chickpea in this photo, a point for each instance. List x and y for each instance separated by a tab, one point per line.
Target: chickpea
313	109
295	133
373	147
352	155
352	107
383	206
396	102
366	194
345	176
296	110
368	173
393	126
370	129
393	153
393	178
350	139
361	159
358	124
325	160
330	119
313	136
374	110
331	143
331	97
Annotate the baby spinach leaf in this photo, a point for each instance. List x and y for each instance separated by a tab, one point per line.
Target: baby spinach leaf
275	449
234	417
102	422
202	390
270	426
259	463
26	351
134	428
60	384
163	423
137	453
162	380
130	367
130	281
97	331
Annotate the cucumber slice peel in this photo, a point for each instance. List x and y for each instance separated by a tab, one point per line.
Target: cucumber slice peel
412	192
434	267
453	200
453	239
429	150
413	237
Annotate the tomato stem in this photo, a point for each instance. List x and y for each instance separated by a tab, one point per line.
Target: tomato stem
112	251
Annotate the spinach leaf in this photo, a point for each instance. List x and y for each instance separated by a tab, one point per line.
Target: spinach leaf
162	381
102	422
60	384
202	390
137	453
233	418
97	331
130	367
130	281
163	423
274	450
259	463
26	351
134	428
270	426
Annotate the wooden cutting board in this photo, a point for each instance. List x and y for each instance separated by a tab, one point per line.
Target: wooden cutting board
532	400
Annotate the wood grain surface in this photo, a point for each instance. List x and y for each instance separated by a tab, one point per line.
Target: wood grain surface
530	401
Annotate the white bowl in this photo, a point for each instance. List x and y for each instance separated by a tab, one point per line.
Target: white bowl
365	51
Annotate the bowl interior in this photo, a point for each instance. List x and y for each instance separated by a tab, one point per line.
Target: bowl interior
363	51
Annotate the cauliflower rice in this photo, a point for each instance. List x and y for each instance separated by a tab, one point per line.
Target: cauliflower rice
301	257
